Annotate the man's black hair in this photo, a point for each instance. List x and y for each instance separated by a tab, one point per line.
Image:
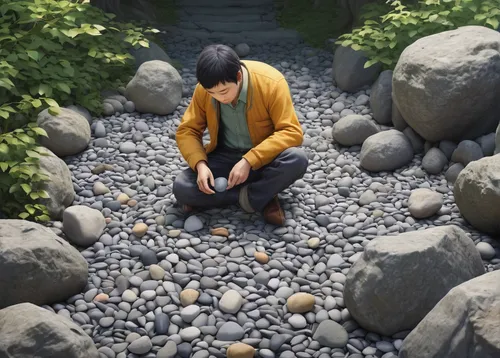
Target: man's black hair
217	64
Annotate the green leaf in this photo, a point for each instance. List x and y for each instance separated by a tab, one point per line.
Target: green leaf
144	43
4	114
52	110
43	217
36	103
433	18
51	102
6	83
63	4
24	215
12	57
25	138
69	71
41	131
370	63
4	148
43	194
4	166
493	22
64	87
93	32
26	188
33	54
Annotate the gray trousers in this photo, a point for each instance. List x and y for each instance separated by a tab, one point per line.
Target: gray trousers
262	184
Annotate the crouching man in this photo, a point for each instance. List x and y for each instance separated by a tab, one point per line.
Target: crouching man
254	135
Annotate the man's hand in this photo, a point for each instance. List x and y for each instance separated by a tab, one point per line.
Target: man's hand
239	173
204	176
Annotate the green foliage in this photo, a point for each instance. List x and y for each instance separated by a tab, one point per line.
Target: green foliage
52	53
385	35
21	182
316	25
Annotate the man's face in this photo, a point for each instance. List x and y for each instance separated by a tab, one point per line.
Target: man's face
226	92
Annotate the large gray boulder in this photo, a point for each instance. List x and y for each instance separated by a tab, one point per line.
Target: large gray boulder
399	279
381	98
31	331
37	266
353	129
83	225
447	85
155	88
349	72
477	194
386	150
464	324
68	132
59	186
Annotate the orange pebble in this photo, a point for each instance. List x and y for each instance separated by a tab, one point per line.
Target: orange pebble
220	231
102	297
261	257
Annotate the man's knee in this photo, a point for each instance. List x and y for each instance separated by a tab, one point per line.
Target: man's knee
297	160
182	185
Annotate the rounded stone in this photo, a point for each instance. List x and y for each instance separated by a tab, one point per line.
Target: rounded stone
297	321
193	223
220	184
140	229
300	302
189	296
240	350
486	251
122	198
190	333
231	302
261	257
156	272
141	345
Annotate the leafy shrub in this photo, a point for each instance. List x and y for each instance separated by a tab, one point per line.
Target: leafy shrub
52	53
385	35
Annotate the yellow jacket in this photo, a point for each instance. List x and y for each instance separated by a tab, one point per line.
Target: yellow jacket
271	118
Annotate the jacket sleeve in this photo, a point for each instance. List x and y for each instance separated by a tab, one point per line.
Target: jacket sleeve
287	130
189	134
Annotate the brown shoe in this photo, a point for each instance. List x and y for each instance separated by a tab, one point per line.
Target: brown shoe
273	213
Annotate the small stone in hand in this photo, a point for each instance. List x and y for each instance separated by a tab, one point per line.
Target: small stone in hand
220	184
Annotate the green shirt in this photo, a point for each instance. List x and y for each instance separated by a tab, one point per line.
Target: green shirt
234	125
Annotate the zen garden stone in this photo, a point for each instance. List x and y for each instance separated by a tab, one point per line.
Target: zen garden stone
220	184
385	235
